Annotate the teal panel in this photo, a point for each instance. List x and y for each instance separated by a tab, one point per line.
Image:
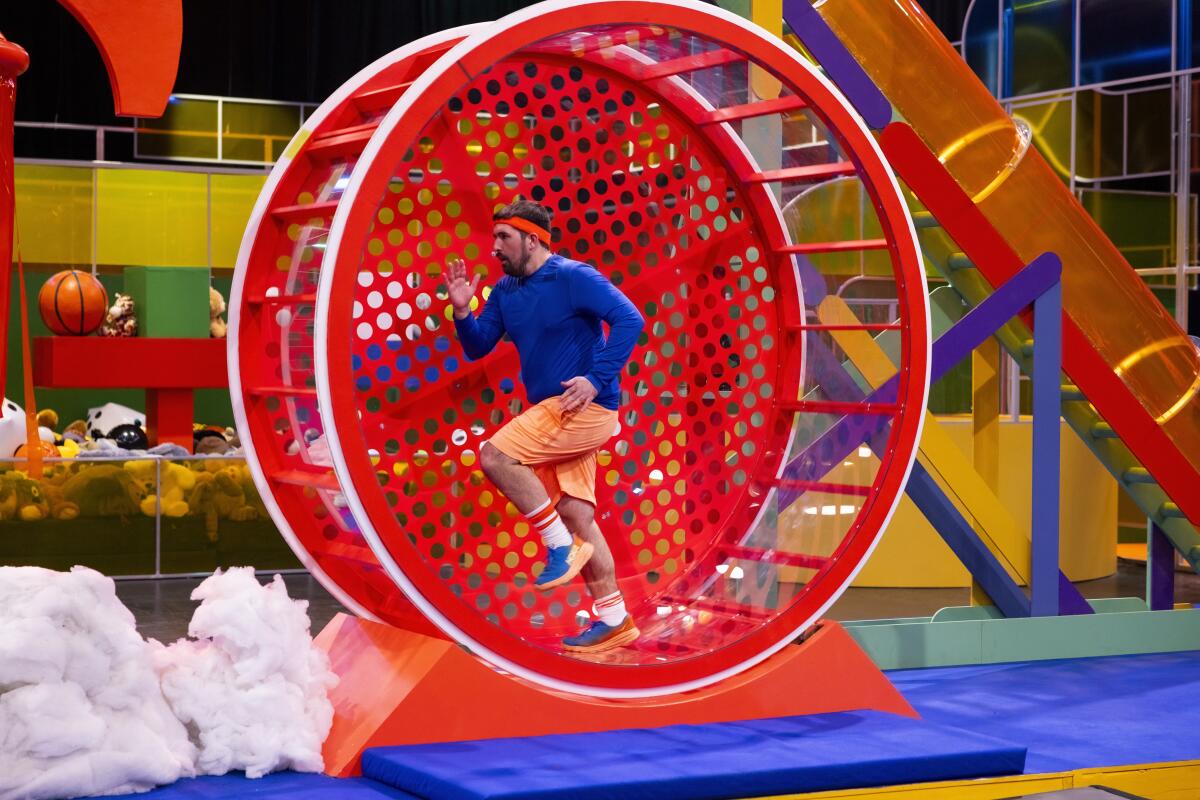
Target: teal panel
903	644
967	613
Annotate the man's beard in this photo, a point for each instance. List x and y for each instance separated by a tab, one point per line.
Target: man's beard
515	270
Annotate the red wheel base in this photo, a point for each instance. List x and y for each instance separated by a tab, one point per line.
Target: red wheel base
399	687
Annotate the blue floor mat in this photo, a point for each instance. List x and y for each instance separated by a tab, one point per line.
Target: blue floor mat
289	785
697	762
1071	714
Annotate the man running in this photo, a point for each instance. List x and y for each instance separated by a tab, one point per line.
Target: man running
544	461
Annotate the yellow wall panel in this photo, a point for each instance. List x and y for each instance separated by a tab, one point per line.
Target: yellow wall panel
152	218
912	554
233	199
54	214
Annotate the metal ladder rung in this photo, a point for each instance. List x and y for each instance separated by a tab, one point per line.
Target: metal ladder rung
815	172
281	299
379	99
1169	510
307	211
849	489
833	407
316	478
865	326
834	247
287	391
958	261
1070	393
344	141
1137	475
678	66
351	552
924	219
773	556
762	108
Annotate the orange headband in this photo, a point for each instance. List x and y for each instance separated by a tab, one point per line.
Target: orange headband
522	224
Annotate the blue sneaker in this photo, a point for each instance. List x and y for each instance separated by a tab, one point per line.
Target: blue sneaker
598	637
563	564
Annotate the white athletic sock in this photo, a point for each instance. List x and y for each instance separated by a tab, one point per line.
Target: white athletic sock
610	609
545	520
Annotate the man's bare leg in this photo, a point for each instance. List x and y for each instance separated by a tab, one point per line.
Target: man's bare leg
601	571
565	558
618	629
514	479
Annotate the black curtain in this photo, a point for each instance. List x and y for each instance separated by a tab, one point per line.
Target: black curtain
293	50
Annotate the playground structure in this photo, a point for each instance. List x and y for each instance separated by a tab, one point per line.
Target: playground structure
768	427
752	388
627	132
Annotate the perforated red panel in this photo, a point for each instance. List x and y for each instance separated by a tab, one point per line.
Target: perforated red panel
272	311
736	497
640	193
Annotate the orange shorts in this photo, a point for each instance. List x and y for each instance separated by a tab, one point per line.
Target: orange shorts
560	449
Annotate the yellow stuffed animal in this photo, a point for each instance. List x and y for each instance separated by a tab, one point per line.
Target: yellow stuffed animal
219	495
176	481
21	497
102	490
60	506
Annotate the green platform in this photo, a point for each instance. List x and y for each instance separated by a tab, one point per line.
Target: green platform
980	635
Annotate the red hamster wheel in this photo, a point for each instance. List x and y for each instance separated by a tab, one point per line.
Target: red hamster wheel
754	469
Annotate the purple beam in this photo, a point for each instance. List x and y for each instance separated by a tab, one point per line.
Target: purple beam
836	60
1160	569
952	347
1047	407
965	543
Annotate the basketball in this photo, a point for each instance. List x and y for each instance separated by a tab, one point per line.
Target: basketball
72	303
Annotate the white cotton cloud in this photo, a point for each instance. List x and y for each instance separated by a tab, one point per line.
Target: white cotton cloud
88	707
81	711
251	687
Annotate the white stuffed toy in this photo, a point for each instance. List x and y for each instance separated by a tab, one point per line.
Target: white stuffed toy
104	418
12	428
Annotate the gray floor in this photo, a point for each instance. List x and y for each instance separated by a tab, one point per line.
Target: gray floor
163	607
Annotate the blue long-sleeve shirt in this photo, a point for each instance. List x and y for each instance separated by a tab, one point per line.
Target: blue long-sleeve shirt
553	317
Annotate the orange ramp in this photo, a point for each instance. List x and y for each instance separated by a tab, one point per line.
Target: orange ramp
400	687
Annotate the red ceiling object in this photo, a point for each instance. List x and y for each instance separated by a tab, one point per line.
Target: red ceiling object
139	41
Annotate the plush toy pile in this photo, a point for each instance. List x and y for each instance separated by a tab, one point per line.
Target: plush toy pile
93	483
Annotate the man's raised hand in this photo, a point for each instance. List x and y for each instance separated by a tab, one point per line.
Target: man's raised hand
460	290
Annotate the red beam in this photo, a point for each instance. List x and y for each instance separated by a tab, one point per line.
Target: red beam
100	362
13	61
998	262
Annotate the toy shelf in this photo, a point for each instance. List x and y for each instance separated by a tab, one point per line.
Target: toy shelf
170	370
